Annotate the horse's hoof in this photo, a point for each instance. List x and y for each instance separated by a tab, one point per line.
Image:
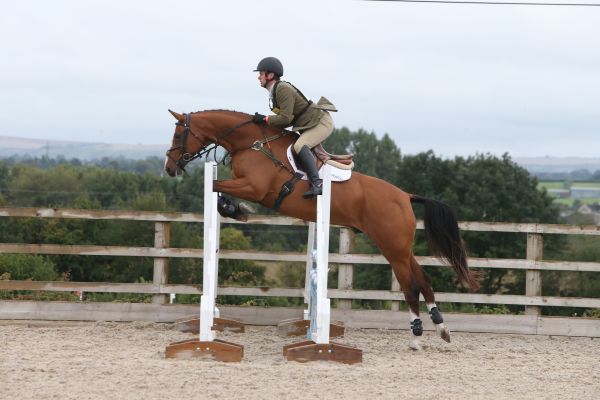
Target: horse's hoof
414	345
246	208
443	332
242	211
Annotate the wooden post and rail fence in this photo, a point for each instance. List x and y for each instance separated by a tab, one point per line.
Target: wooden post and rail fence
531	322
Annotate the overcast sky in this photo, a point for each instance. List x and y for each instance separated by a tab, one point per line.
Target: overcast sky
458	79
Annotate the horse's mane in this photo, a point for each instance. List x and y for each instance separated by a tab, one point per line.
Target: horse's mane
241	113
221	110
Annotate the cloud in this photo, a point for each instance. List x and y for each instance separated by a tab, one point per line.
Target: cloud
456	79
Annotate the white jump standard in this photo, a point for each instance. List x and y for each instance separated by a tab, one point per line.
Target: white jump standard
300	327
318	346
208	345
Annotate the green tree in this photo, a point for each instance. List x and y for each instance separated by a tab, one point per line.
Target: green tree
364	147
26	267
482	188
339	141
4	175
573	284
238	272
388	159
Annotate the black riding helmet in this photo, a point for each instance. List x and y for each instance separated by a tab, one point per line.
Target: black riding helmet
270	64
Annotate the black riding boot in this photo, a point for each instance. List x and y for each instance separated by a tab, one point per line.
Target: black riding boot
310	167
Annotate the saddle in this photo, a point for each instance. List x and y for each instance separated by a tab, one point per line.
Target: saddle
342	161
341	169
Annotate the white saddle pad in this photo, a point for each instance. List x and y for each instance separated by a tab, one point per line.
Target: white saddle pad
337	174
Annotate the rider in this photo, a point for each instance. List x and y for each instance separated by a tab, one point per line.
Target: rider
292	108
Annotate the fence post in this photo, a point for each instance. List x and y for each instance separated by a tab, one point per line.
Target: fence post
161	264
533	278
345	271
395	288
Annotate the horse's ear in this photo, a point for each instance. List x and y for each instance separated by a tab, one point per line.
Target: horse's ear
177	116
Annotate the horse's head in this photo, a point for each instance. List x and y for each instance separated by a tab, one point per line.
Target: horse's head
199	133
189	142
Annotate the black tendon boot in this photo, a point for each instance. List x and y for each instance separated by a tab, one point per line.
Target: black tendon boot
226	207
310	166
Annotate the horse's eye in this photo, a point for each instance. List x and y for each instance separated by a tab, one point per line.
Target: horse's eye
177	136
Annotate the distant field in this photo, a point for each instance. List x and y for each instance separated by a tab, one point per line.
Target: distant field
551	185
569	201
586	184
561	184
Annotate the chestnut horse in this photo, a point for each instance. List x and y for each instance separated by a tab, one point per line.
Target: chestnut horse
381	210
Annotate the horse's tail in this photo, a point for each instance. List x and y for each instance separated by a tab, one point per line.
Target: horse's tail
443	236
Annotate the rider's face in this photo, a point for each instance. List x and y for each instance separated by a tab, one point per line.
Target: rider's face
264	77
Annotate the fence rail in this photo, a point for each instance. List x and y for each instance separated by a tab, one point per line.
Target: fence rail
534	263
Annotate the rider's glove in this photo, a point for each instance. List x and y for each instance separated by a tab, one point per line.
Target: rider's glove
259	119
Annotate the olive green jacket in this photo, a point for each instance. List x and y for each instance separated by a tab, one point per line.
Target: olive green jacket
289	103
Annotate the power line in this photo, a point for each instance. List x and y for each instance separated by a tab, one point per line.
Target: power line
496	3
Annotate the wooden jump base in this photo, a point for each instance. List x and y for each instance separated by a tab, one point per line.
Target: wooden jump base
192	325
311	351
218	350
299	327
207	345
317	324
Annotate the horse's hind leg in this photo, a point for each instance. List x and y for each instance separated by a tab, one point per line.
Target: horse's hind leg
410	288
424	282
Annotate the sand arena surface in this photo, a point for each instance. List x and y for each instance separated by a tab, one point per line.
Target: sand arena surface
125	361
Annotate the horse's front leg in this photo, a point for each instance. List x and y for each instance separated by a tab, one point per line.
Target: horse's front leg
239	188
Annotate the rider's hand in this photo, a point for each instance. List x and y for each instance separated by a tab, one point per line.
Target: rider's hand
259	119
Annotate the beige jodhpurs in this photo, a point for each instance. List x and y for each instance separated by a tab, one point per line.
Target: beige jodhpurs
316	135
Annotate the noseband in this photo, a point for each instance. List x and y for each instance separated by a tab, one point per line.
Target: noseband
184	156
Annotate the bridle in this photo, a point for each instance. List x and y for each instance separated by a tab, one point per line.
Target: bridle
184	156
